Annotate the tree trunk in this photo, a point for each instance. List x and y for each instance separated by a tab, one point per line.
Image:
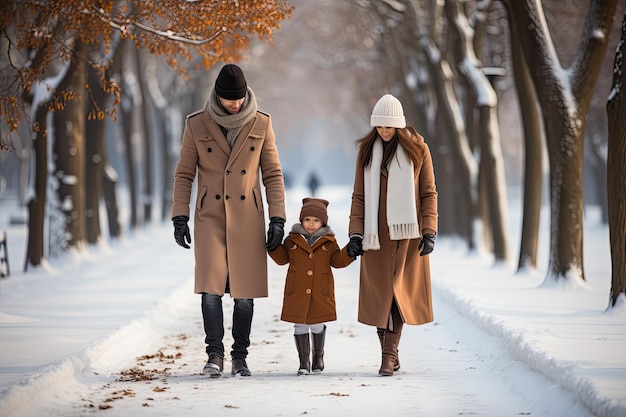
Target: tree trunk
443	165
37	204
69	146
94	159
484	100
129	159
492	165
174	121
533	172
164	107
167	171
109	175
109	181
566	197
616	174
128	103
457	168
146	136
463	174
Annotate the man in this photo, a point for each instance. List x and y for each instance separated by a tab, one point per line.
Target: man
226	146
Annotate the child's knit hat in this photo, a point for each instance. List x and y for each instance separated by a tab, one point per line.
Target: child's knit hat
315	207
388	112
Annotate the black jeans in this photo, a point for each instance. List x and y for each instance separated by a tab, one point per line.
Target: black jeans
213	316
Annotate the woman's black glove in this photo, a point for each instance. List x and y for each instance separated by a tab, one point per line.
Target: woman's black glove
275	233
427	244
355	246
181	231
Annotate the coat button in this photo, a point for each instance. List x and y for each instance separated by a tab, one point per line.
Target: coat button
243	197
227	172
308	291
217	196
309	272
251	148
311	255
243	172
209	150
227	197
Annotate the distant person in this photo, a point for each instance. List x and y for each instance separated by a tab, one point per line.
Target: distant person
393	224
226	145
287	180
313	183
311	250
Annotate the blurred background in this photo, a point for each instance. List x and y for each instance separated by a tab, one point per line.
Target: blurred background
320	72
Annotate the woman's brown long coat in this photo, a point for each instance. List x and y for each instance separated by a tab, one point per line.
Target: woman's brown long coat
396	270
229	218
309	296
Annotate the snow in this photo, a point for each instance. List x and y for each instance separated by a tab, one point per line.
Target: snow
116	331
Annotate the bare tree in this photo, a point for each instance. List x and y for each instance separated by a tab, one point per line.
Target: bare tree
131	102
146	133
484	100
94	159
37	204
69	151
564	95
533	154
457	166
616	178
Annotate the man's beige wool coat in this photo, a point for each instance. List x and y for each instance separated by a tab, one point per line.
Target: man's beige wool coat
396	270
229	218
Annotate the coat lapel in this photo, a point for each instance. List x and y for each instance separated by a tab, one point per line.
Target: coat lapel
216	132
240	141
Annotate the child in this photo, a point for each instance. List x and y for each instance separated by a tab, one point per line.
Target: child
309	299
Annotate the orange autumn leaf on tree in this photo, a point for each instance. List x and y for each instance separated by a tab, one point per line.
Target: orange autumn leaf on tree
39	37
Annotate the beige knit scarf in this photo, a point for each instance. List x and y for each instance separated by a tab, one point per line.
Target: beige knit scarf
233	123
401	210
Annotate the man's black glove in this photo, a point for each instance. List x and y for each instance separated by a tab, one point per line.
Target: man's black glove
427	244
181	231
275	233
355	246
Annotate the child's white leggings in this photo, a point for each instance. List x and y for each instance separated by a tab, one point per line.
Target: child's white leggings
304	328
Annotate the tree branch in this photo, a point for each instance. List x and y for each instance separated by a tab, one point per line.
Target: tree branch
170	35
123	28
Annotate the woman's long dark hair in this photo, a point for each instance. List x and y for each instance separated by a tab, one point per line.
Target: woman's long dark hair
407	138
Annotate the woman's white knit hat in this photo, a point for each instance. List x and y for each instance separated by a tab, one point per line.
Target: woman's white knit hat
388	112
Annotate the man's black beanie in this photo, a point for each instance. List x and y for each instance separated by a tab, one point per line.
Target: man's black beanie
230	83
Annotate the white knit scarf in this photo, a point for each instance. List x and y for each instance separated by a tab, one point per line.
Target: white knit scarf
401	210
233	123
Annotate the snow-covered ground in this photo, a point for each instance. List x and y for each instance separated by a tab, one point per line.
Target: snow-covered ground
117	331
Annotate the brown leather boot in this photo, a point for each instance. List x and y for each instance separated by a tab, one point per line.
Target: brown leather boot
214	367
381	332
390	352
318	350
391	340
240	367
303	345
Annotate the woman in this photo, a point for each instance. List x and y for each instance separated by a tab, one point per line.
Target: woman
393	224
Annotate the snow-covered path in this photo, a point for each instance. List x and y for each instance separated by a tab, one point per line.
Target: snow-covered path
444	371
117	332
